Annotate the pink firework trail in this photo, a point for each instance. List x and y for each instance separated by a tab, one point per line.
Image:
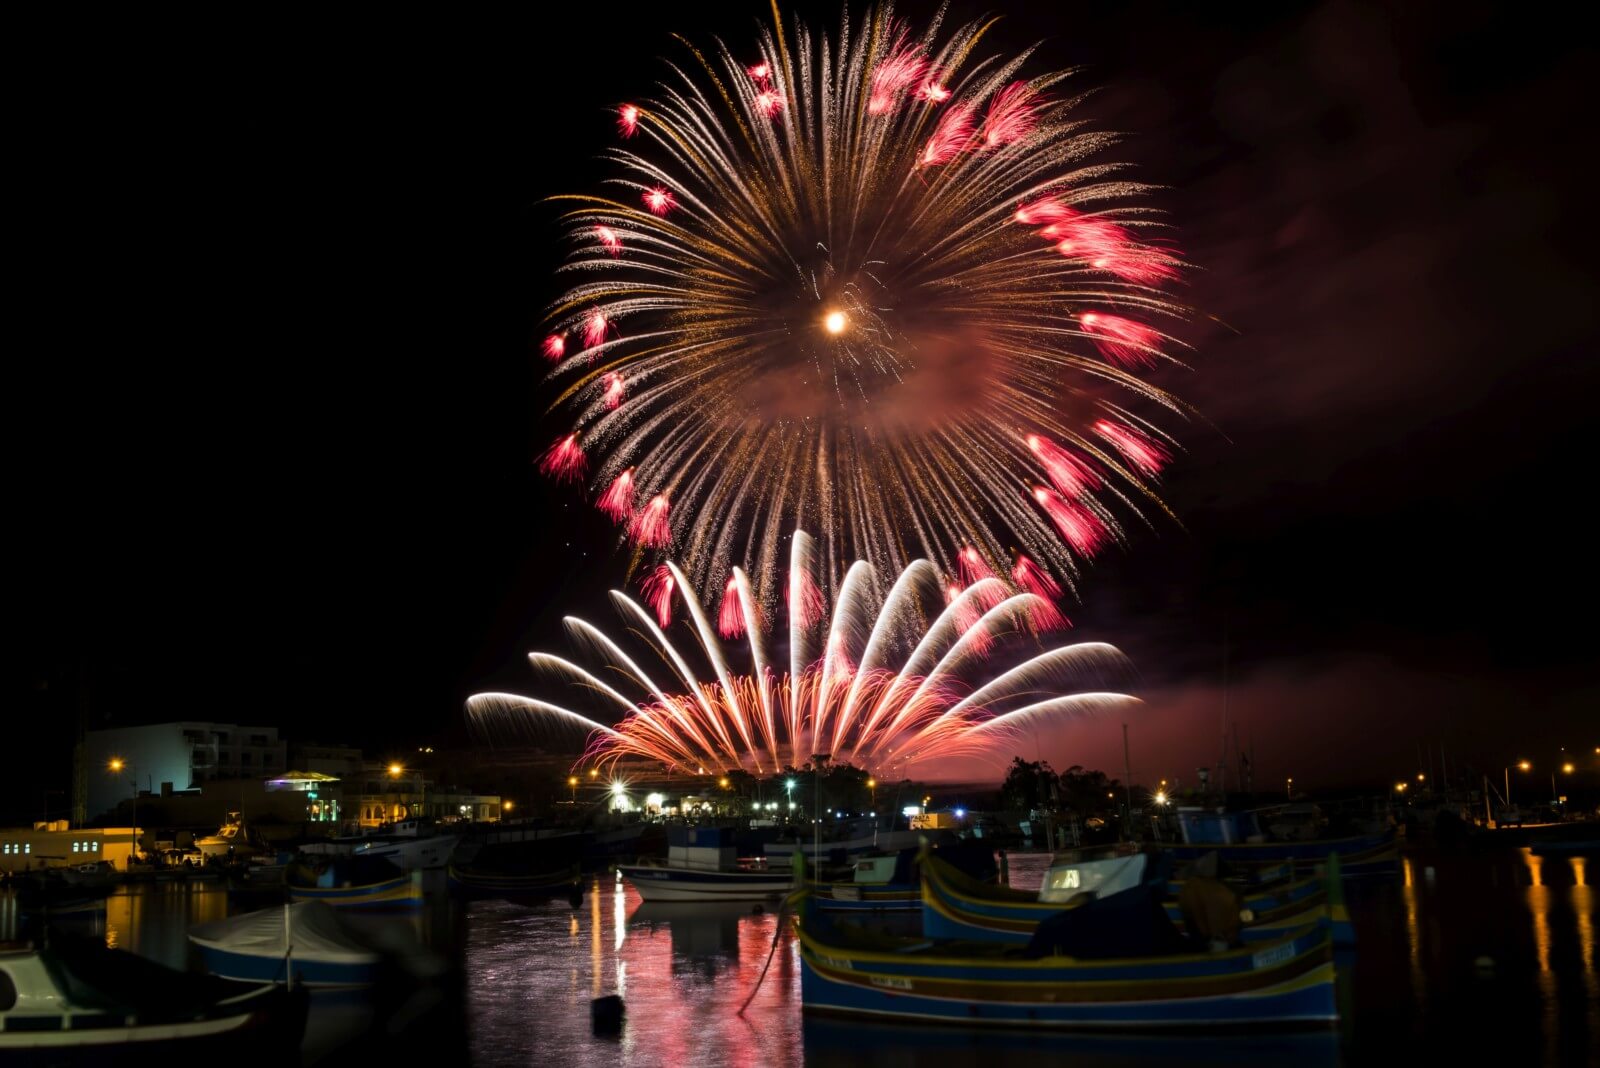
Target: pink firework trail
933	91
564	461
1011	115
1122	340
627	120
1042	211
657	587
1031	578
1139	450
617	500
651	526
812	603
950	138
760	72
658	200
730	618
594	329
973	566
1082	529
555	346
900	70
768	102
612	382
1067	473
608	237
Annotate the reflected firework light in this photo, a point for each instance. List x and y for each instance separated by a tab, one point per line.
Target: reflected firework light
855	298
897	678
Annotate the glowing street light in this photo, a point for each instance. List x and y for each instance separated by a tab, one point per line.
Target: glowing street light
1399	787
1523	765
594	773
1566	769
572	782
395	770
1161	797
507	806
1421	777
116	764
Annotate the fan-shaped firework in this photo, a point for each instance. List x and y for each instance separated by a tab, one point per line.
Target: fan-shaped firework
878	285
887	683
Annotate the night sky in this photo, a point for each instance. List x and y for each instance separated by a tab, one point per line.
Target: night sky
272	435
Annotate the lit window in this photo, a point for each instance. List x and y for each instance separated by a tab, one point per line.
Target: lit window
97	847
74	847
27	847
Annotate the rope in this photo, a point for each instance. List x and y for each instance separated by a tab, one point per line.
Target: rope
777	934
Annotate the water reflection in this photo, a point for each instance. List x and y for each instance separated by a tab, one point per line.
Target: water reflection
1456	941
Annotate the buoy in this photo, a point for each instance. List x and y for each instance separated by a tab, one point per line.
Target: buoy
605	1015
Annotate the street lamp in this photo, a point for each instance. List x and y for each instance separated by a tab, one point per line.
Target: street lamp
1522	765
506	806
1399	787
872	784
116	765
572	781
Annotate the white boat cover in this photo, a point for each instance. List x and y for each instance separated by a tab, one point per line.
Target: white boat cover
319	933
1102	877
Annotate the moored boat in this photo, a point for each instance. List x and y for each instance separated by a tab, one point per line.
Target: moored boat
703	865
956	906
357	883
309	939
848	970
1239	842
77	1002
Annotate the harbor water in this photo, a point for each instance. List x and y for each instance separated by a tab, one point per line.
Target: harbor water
1460	959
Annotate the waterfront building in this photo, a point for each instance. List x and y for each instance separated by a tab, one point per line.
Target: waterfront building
55	844
167	758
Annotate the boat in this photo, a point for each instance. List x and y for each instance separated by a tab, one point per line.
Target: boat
522	868
702	865
234	839
355	883
872	841
1108	964
1239	842
311	940
77	1002
407	845
956	906
892	883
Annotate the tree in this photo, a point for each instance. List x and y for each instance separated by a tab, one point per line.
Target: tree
1028	784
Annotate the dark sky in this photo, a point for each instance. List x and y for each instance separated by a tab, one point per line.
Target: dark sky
272	433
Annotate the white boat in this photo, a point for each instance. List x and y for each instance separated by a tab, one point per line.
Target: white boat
703	865
232	840
664	881
405	845
78	1002
782	853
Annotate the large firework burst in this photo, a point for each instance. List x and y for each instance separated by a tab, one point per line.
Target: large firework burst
876	284
884	682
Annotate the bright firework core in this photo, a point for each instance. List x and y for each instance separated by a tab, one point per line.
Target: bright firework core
988	286
895	676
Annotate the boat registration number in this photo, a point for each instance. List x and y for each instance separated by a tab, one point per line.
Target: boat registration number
1276	955
891	983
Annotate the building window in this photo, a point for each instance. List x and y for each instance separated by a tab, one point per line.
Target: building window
74	847
97	847
27	847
